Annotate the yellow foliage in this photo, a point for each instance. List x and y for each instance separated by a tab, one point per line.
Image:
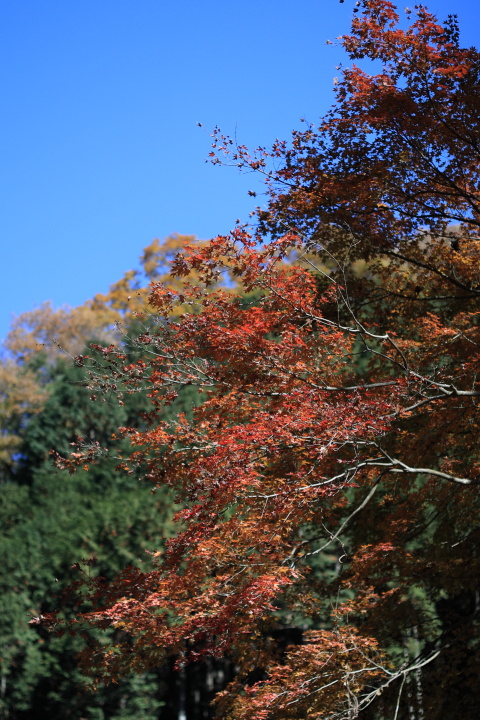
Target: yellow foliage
20	396
69	330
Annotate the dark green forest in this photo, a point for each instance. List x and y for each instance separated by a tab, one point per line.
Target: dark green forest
56	526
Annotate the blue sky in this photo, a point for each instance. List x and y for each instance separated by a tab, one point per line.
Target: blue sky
100	149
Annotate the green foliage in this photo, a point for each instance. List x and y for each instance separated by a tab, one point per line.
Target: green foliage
49	522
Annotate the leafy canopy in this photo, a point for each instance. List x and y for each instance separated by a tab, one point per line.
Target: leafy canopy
329	480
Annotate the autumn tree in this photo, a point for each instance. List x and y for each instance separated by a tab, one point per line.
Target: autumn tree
340	416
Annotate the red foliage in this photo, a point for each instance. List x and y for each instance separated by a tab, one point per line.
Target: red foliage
329	479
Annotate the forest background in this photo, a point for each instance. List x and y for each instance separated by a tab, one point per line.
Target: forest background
51	521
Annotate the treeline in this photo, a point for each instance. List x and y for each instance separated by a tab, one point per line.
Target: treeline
51	521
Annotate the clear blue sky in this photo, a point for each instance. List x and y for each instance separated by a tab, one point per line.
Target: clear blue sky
100	151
